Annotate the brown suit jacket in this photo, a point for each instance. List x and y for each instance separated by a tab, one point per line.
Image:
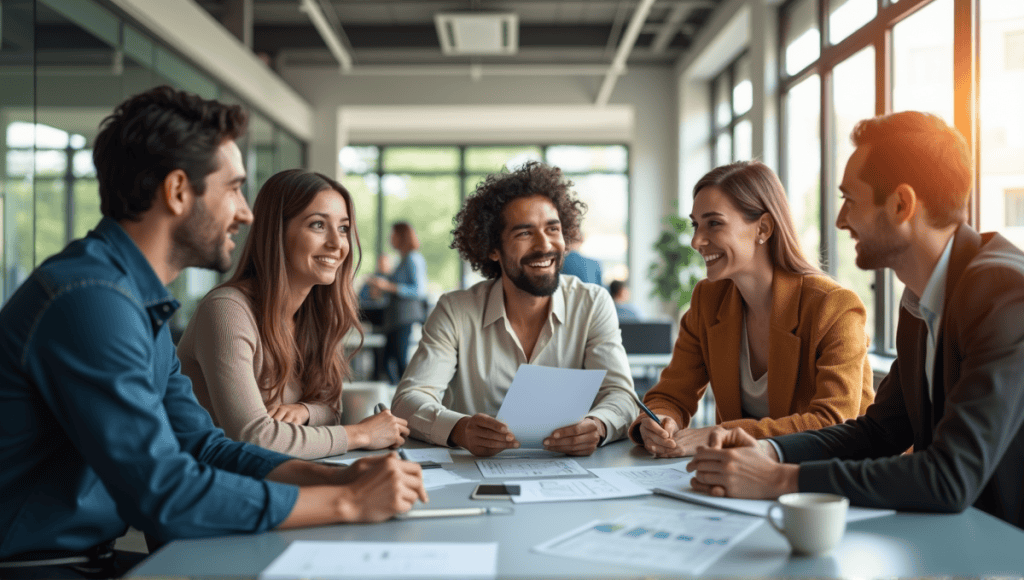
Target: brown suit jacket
818	371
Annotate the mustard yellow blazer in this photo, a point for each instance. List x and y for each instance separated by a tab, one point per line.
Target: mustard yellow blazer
818	370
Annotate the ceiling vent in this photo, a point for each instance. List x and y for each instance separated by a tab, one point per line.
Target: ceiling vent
477	33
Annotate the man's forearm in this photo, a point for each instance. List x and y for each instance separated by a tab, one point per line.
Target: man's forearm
300	472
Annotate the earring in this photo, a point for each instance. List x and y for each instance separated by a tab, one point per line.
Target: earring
760	242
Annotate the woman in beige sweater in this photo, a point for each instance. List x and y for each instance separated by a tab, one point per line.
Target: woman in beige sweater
264	350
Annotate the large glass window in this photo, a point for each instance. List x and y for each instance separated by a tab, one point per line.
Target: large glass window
853	99
1001	172
64	66
426	186
868	62
803	162
732	133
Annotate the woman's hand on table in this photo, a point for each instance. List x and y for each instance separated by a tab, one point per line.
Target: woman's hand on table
378	431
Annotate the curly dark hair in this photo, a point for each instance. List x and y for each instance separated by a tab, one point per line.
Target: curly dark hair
150	135
480	222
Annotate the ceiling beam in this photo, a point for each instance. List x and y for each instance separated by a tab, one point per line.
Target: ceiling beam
316	15
625	47
670	27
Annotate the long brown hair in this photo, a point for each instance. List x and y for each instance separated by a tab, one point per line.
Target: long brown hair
755	190
315	354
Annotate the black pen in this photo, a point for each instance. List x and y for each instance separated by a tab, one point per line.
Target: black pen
649	412
380	408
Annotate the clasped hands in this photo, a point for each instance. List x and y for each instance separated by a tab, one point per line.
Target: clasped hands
726	462
668	439
484	436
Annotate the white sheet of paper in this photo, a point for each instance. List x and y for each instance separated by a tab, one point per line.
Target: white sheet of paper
534	491
542	399
437	477
336	560
650	476
507	468
684	542
754	507
435	454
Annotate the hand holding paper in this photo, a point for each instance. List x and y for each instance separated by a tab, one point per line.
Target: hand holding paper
544	399
483	435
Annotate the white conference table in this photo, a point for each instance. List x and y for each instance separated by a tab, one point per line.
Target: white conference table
972	543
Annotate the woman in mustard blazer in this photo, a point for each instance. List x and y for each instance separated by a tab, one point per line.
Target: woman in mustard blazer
782	344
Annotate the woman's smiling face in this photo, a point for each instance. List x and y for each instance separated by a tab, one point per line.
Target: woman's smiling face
727	242
317	240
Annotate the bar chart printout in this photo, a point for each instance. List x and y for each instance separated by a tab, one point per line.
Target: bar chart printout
680	541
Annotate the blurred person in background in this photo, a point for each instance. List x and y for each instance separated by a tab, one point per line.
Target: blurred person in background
406	290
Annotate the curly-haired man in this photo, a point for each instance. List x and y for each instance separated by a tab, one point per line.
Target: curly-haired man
514	230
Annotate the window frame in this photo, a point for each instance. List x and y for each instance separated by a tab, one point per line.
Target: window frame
878	33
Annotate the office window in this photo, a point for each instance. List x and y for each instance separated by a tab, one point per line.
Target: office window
1015	49
1001	172
802	174
1015	208
48	189
801	37
847	16
732	95
426	185
902	59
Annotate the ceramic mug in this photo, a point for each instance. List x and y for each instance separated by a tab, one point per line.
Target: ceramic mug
813	523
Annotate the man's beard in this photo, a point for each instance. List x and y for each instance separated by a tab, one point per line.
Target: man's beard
543	285
881	248
197	243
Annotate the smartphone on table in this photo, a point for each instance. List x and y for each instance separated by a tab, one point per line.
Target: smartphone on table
494	491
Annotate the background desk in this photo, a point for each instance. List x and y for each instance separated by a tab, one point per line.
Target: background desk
906	544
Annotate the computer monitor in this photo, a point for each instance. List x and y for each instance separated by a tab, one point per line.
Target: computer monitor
647	337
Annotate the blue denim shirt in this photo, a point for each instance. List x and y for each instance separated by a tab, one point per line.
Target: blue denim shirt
410	276
99	428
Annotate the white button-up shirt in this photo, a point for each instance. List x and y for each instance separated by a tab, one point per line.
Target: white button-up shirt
469	355
929	309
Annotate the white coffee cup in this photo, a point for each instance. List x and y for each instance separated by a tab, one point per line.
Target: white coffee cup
812	522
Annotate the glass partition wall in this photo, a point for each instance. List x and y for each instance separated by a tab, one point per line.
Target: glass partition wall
64	66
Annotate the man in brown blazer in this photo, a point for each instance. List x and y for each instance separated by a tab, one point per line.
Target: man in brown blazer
955	391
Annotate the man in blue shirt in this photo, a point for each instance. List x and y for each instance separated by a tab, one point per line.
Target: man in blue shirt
101	430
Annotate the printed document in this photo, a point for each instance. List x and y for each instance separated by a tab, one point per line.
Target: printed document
650	476
534	491
542	399
507	468
413	560
754	507
436	455
679	541
437	477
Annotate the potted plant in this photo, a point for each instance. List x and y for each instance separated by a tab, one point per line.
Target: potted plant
679	268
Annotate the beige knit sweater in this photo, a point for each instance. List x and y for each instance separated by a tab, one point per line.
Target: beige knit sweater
221	352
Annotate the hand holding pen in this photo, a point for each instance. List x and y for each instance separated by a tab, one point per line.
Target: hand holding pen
381	430
657	434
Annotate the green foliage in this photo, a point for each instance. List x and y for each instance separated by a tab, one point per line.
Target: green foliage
680	267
